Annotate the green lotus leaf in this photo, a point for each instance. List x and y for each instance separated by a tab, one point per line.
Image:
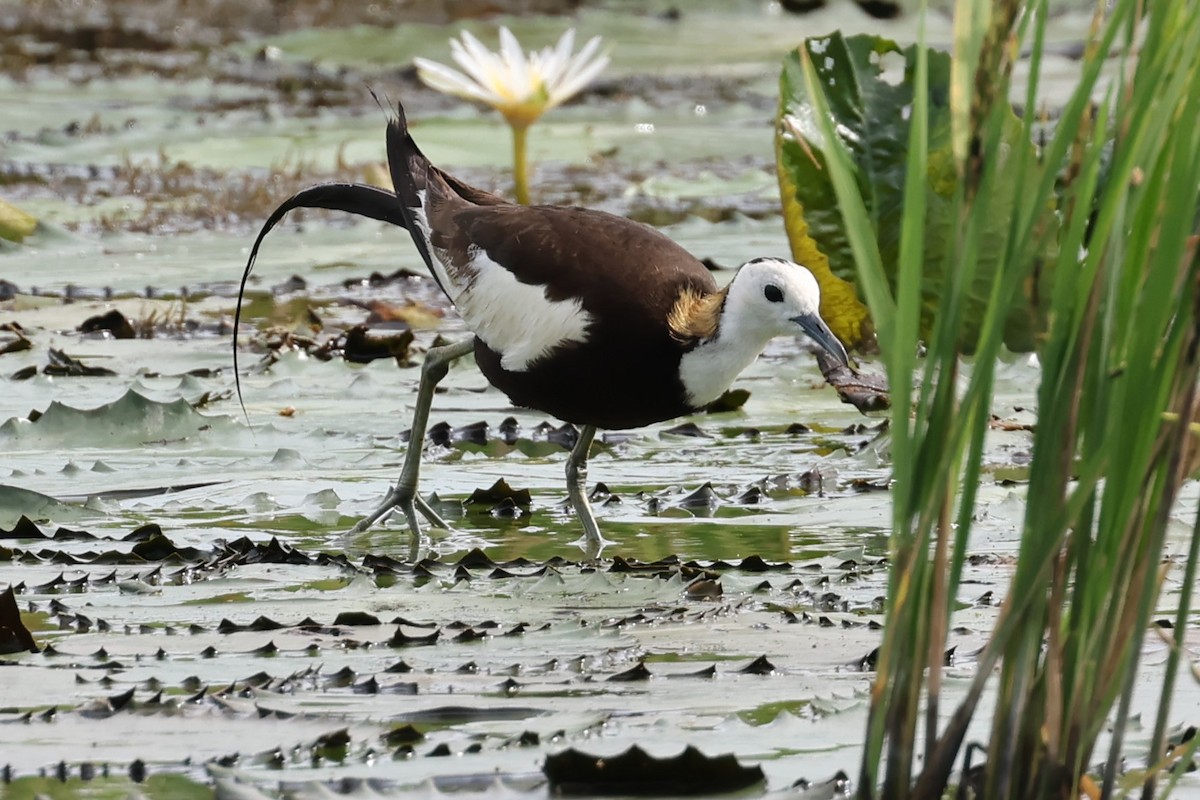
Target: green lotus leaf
871	106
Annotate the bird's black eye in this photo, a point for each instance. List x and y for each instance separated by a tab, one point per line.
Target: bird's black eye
773	293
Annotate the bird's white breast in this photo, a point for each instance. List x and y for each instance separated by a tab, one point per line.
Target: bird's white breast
711	367
707	372
516	319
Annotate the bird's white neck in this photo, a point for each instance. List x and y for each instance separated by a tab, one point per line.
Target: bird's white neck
708	369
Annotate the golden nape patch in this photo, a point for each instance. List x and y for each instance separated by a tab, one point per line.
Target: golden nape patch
695	315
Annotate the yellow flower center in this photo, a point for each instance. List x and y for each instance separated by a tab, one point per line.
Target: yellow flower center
524	111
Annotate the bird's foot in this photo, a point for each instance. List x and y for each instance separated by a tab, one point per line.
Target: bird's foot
409	502
591	547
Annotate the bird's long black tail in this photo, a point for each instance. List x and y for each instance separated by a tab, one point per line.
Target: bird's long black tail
410	171
353	198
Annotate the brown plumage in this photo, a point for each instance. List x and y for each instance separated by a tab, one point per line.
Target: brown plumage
647	308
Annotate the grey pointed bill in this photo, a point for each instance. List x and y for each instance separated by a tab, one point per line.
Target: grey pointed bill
819	332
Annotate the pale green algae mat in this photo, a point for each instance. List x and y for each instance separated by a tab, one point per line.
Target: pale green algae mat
204	623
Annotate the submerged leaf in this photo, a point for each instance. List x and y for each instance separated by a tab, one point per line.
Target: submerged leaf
637	672
498	492
14	636
730	400
636	772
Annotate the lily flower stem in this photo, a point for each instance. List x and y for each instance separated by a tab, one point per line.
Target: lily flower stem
520	163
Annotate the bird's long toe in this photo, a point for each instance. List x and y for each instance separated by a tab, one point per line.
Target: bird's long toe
430	515
410	504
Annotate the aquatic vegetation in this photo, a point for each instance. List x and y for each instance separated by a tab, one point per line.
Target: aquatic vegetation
1120	360
873	122
184	577
15	224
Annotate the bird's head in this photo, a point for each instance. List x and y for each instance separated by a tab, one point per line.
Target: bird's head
774	297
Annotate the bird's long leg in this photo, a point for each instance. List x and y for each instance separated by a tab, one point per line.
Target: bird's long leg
404	494
577	486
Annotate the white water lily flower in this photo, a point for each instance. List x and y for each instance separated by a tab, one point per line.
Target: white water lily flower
520	87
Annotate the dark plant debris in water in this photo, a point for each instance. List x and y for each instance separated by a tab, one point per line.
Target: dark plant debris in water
182	41
52	31
169	196
510	664
172	196
866	392
13	338
63	365
358	345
